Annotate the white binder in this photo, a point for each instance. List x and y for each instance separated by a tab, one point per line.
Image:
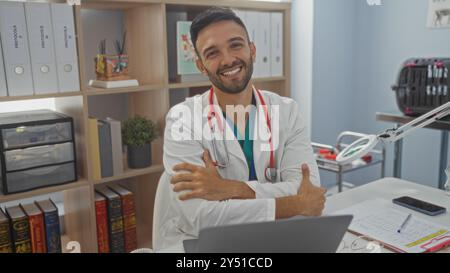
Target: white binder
264	43
40	37
242	14
252	28
259	31
65	47
16	55
276	56
3	88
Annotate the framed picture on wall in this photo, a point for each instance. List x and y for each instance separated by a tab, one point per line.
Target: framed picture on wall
439	14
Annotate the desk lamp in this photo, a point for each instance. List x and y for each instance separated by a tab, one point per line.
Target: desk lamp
363	145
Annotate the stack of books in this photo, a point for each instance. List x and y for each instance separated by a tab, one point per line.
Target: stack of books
30	228
105	144
116	220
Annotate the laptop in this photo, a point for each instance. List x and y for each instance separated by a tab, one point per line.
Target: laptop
293	235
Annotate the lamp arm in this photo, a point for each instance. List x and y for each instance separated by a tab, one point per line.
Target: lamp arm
392	135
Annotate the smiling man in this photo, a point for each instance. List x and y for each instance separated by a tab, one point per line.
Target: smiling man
225	171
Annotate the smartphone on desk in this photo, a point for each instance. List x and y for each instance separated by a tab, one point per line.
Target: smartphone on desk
419	205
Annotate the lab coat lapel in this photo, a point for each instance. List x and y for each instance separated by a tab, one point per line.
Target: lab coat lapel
232	143
261	154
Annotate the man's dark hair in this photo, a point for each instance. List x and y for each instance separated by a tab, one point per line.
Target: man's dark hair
210	16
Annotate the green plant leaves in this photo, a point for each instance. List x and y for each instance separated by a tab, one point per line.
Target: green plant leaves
138	131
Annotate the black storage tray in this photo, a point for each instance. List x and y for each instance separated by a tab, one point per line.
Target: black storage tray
20	181
36	131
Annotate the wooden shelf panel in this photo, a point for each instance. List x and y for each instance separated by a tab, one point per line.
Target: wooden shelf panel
43	96
269	79
254	5
131	173
92	91
53	189
116	4
126	4
188	84
207	83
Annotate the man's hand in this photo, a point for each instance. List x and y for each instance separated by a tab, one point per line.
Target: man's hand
310	200
206	183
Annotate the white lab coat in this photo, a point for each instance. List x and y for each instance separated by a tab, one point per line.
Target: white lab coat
175	220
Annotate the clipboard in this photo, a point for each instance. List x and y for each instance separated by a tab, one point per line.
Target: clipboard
379	219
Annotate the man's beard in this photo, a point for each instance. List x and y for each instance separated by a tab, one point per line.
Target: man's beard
237	87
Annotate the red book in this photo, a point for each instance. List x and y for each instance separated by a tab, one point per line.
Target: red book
101	216
37	229
129	217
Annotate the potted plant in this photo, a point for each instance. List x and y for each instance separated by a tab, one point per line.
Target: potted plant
137	134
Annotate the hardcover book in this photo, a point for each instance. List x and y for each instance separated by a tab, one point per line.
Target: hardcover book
37	228
52	227
101	216
129	217
5	234
115	220
20	229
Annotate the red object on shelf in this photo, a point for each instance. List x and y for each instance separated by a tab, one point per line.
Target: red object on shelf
324	151
101	215
367	158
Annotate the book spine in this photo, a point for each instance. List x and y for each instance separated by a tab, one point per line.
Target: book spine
52	232
21	235
116	236
129	222
37	233
102	226
105	148
94	148
5	238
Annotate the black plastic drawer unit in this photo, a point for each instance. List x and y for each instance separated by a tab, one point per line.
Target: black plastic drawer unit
37	149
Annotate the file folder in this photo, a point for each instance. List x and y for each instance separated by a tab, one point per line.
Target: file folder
252	28
264	43
40	37
16	56
276	21
3	88
65	47
259	31
242	14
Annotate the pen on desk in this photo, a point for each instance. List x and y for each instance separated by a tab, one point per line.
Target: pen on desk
404	223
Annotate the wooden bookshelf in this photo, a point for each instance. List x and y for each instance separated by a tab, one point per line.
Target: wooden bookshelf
69	186
131	173
43	96
147	47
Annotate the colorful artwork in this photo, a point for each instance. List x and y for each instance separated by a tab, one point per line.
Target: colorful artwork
186	55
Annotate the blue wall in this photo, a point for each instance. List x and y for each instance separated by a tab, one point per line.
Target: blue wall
358	50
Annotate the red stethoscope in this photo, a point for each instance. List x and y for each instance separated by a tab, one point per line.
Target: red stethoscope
223	161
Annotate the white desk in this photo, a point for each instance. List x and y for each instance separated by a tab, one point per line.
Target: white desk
390	188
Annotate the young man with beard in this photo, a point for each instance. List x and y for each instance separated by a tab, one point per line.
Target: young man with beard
225	171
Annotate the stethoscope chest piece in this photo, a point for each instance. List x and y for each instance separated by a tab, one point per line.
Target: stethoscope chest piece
271	174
